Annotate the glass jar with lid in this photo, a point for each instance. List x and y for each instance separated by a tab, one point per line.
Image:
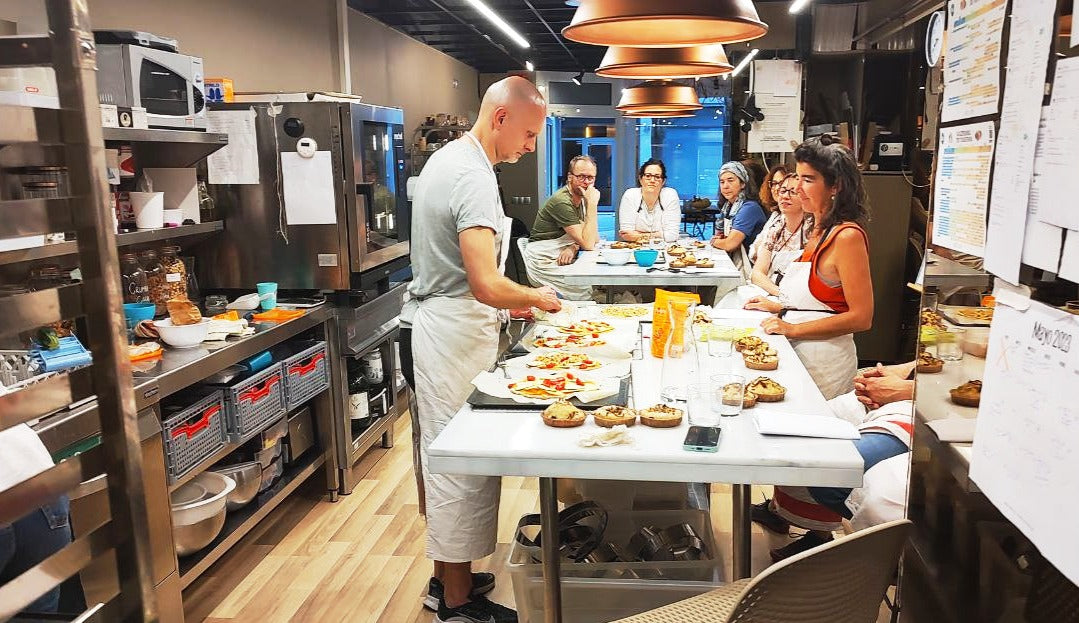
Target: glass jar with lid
51	174
47	276
175	273
155	278
136	288
40	190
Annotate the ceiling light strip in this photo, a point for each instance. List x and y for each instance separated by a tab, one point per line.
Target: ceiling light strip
494	18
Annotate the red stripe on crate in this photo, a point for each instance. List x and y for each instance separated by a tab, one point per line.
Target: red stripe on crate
194	427
256	394
305	368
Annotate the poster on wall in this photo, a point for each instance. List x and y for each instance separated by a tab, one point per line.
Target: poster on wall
1024	457
777	91
961	188
972	58
1029	42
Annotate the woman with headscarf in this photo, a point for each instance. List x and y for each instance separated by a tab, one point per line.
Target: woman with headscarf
743	218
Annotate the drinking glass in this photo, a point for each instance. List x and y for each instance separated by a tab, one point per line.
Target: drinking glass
728	390
701	404
950	344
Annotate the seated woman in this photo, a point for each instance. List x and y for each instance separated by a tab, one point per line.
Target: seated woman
743	218
781	243
884	445
769	196
652	210
827	295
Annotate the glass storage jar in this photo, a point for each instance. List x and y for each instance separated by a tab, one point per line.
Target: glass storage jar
175	273
136	289
155	278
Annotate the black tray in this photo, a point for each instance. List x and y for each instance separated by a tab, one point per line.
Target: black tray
481	400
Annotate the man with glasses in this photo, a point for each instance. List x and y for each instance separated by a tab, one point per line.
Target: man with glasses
567	223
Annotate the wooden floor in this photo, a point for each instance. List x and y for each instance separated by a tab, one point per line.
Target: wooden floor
362	558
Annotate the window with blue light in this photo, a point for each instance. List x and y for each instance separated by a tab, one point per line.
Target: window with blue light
692	148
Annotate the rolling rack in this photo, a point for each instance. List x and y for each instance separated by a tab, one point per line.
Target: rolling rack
72	136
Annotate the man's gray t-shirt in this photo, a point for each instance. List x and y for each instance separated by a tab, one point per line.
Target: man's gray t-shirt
456	190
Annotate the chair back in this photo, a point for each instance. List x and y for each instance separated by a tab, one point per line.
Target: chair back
841	582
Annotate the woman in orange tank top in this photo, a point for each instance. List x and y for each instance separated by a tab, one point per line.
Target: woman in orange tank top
827	296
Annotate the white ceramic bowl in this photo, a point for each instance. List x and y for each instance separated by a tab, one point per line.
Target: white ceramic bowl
616	257
185	336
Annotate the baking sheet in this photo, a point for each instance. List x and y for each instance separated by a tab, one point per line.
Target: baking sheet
951	314
616	390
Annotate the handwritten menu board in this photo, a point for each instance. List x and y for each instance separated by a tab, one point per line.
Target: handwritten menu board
961	190
1026	455
972	60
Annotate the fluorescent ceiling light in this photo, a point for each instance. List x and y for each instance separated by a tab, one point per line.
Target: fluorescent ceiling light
745	62
797	6
529	66
498	21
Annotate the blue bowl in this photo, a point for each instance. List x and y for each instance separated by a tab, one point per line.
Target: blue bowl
134	313
645	257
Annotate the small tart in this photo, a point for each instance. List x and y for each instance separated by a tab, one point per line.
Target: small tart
766	389
676	264
731	397
661	416
748	342
613	415
562	414
968	394
676	250
690	259
762	358
928	364
705	264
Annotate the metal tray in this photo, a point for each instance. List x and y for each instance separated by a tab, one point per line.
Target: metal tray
951	314
481	400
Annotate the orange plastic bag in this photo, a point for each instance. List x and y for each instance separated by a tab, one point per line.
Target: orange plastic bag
661	321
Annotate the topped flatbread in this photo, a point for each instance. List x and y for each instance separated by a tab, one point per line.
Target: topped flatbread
564	361
564	341
630	311
587	327
984	314
551	386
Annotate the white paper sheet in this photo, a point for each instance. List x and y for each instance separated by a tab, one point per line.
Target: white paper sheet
180	187
1058	205
1041	241
961	191
778	77
1028	56
1025	457
237	162
791	425
972	60
307	184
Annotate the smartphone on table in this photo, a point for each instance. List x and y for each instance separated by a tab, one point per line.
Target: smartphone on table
702	439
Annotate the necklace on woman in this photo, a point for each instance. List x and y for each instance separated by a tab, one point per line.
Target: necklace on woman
790	236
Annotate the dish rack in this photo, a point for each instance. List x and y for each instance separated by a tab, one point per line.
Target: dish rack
306	374
254	402
194	434
21	368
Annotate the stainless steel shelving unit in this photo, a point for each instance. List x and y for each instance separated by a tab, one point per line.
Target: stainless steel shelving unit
71	247
123	534
166	148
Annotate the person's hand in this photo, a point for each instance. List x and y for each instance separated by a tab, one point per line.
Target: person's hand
629	235
876	391
591	196
547	299
761	303
774	325
568	255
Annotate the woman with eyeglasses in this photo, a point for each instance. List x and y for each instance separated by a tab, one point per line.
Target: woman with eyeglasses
783	239
769	196
826	296
651	210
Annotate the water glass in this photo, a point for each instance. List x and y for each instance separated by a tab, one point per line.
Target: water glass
701	405
720	345
728	391
950	344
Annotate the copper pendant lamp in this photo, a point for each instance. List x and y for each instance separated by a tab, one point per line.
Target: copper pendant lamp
659	96
674	23
647	63
659	115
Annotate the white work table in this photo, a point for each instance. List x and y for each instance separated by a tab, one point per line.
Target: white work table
588	270
933	402
517	443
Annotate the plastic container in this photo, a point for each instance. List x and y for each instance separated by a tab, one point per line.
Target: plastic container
274	433
645	257
254	402
594	592
271	474
307	372
149	209
193	433
976	341
266	456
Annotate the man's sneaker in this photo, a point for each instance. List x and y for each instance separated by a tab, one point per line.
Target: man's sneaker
479	610
804	544
762	513
482	583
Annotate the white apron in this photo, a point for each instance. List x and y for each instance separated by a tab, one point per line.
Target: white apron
454	339
737	298
541	259
738	256
831	362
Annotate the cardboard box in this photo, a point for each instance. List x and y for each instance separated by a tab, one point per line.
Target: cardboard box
219	90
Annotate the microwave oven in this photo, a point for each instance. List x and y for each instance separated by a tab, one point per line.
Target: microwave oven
167	84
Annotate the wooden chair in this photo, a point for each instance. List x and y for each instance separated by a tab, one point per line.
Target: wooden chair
841	582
